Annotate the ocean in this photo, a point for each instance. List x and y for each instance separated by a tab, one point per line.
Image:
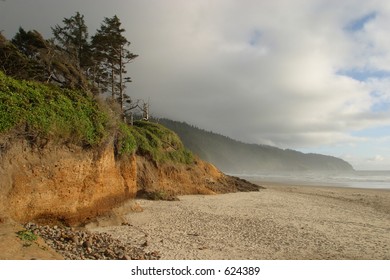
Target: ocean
357	179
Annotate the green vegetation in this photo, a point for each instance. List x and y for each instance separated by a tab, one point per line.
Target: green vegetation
126	141
41	111
48	90
71	58
160	143
27	236
236	157
45	111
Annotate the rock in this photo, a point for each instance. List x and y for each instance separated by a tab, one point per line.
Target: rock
87	244
80	245
75	239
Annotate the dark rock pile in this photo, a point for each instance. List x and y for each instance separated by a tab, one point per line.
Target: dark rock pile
81	245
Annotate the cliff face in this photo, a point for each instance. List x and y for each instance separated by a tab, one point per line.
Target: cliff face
179	179
66	156
63	183
71	184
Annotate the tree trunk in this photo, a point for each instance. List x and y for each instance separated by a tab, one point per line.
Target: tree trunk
112	83
121	81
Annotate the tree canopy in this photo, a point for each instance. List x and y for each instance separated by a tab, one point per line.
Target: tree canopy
72	59
111	56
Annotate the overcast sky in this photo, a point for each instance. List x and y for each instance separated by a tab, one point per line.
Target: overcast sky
310	75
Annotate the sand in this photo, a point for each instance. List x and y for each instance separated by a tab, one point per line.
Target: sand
280	222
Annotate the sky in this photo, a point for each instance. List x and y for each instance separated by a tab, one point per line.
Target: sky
309	75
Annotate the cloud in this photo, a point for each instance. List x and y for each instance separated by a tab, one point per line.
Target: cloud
263	72
377	158
297	74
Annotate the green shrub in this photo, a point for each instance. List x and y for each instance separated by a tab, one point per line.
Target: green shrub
65	115
49	111
126	141
160	143
26	235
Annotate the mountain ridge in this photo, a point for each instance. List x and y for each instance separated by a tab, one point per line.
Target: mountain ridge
234	156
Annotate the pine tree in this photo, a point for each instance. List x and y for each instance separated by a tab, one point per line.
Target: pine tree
111	56
37	51
73	39
48	62
12	61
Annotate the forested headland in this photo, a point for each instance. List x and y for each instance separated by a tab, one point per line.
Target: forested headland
72	58
71	87
241	158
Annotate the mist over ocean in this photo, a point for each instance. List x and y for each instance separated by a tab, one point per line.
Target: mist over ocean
373	179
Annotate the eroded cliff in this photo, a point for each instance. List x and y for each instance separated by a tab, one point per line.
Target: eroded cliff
67	156
70	184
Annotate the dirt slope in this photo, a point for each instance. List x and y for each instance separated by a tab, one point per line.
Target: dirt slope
68	184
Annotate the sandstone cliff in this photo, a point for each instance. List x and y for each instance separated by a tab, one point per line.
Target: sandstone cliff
67	156
70	184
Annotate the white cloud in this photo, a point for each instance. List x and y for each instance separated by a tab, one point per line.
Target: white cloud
258	71
285	89
377	158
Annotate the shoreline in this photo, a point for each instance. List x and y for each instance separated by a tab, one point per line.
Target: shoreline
303	183
283	221
272	184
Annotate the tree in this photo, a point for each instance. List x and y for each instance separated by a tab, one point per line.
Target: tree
12	61
47	62
71	60
111	57
73	39
28	42
37	51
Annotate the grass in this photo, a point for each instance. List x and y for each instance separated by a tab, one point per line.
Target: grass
27	236
45	111
126	142
160	143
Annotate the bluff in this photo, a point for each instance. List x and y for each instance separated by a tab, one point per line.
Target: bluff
237	157
72	185
65	157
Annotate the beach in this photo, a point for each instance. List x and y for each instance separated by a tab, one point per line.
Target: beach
280	222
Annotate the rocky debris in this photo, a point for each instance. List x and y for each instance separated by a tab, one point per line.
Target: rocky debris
81	245
243	185
157	195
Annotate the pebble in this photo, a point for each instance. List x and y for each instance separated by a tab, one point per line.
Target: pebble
82	245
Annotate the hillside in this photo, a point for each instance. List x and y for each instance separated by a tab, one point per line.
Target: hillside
66	157
236	157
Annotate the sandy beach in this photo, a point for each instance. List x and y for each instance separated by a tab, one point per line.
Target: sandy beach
280	222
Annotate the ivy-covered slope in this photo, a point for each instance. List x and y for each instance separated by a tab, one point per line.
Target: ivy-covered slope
40	111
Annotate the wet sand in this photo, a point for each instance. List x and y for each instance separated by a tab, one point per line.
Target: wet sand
280	222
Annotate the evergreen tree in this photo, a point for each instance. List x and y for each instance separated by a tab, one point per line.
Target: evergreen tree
12	61
34	47
47	62
72	37
28	42
111	56
70	60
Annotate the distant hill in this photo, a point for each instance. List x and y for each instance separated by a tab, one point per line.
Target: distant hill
237	157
